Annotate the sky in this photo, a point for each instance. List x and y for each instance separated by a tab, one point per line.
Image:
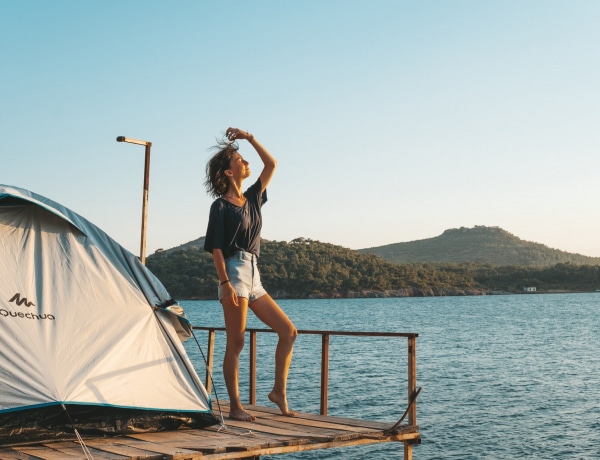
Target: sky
391	121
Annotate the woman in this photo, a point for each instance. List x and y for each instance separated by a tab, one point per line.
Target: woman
233	238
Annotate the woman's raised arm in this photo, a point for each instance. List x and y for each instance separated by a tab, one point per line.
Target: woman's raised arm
269	162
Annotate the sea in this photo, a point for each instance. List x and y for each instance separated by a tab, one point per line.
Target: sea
502	377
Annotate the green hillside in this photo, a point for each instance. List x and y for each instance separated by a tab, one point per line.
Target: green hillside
304	268
485	245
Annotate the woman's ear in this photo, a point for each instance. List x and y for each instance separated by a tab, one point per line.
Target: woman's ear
228	173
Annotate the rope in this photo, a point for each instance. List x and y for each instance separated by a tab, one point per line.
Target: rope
212	381
86	451
224	429
412	401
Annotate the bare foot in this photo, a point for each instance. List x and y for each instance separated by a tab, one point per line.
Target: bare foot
241	415
282	404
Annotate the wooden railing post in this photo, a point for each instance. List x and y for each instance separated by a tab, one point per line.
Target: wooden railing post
210	353
412	379
252	396
324	372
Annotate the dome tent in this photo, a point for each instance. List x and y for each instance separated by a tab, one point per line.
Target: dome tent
89	337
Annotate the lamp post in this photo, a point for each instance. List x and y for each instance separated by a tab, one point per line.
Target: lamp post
145	196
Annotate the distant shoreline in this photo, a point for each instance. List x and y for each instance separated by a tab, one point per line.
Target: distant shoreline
395	294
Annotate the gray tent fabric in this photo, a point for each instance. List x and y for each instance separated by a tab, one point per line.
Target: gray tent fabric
89	337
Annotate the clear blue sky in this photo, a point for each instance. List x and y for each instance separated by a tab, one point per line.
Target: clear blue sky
392	120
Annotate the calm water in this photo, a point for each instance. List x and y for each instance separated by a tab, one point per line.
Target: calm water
503	377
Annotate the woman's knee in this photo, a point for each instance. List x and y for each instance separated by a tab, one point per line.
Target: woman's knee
235	345
289	334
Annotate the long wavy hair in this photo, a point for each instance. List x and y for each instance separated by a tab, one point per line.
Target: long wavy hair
216	182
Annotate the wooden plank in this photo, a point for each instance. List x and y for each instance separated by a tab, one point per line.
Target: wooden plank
43	452
123	447
229	438
257	410
202	443
300	448
146	441
222	444
75	450
10	454
48	452
315	423
260	428
307	429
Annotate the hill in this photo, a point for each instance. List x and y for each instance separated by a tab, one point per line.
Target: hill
305	268
483	245
198	243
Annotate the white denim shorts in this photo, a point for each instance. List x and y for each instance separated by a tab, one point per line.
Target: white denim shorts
242	271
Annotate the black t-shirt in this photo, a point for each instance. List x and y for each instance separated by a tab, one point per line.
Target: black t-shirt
236	228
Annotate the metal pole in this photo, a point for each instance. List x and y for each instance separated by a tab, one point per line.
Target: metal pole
145	204
148	145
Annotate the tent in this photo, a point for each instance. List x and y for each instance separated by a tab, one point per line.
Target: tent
89	338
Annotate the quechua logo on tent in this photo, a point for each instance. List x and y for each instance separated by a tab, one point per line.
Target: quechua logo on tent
20	301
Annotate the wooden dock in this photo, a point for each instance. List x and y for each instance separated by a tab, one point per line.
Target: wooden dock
270	434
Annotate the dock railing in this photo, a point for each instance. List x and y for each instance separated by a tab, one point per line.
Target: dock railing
325	336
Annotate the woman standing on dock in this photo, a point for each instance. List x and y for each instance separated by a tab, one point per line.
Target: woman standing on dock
233	239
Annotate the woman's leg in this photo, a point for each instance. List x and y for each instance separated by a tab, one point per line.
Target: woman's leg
235	324
267	310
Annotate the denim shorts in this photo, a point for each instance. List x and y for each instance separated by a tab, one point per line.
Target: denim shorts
243	275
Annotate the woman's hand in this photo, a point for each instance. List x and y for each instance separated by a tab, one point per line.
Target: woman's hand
235	134
228	294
